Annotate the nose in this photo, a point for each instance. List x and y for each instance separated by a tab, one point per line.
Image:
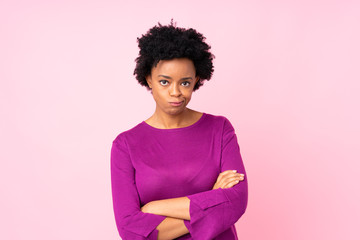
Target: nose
174	90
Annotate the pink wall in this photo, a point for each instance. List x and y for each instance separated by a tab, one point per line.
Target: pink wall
286	75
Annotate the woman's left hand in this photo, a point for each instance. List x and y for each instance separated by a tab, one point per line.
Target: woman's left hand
145	208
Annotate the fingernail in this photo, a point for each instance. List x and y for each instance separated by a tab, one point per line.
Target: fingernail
234	170
237	181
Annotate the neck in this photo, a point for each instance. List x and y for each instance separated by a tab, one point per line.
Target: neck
165	120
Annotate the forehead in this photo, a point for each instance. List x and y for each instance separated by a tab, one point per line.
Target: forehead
174	66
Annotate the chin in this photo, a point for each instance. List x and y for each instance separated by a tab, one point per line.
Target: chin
175	111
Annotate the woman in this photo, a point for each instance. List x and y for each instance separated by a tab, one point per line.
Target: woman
173	174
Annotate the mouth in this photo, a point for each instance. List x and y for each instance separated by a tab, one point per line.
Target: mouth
176	104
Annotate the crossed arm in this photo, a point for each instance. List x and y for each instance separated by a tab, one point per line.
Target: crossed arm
176	210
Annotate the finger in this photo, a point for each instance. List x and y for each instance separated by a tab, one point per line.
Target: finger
222	174
232	179
227	172
230	171
231	184
241	177
224	179
232	174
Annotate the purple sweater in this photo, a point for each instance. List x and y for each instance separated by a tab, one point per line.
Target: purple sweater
149	163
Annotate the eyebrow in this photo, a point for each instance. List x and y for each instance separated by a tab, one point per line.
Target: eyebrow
171	78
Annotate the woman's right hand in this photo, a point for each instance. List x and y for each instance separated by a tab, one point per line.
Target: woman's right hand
228	179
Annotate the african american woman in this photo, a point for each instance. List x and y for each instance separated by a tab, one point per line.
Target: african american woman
179	173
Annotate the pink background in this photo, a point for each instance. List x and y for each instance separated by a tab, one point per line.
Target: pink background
286	75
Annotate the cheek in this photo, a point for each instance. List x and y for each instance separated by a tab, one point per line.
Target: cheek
159	96
188	96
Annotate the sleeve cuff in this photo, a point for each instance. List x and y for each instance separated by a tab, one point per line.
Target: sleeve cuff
153	235
148	229
207	211
188	225
208	199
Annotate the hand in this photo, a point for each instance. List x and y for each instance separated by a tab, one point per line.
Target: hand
228	179
151	207
145	208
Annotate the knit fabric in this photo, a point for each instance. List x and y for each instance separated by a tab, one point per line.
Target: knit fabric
149	163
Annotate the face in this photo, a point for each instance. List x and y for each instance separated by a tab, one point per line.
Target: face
172	81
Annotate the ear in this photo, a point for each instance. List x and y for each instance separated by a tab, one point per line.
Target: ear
197	79
149	80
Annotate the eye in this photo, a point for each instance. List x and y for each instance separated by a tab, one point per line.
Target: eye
163	81
187	84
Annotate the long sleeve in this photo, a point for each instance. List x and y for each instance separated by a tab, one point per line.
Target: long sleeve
214	211
131	222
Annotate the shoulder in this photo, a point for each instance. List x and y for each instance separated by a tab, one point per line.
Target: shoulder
134	132
222	125
219	120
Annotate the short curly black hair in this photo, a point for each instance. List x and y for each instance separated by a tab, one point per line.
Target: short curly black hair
168	42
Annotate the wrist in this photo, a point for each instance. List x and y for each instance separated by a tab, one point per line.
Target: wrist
149	207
